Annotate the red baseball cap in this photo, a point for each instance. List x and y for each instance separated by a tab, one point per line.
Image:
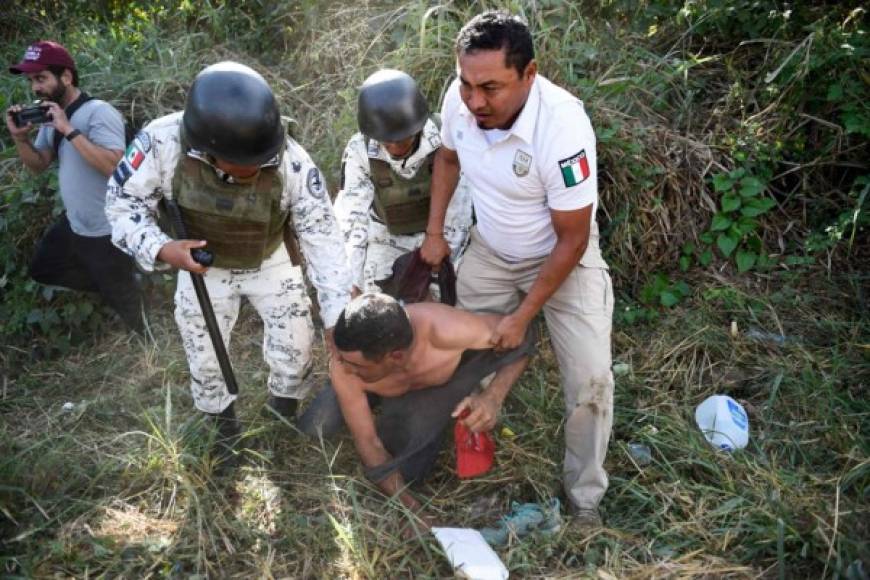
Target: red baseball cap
42	54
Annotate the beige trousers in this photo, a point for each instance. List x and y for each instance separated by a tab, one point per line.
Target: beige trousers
579	318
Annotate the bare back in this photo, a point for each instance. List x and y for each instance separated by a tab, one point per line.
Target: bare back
441	334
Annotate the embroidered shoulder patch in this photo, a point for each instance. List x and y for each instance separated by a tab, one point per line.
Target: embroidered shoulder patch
122	172
133	158
134	155
575	169
143	141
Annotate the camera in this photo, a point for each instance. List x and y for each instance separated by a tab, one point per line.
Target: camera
36	113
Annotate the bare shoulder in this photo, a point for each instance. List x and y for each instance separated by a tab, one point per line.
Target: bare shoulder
449	327
434	315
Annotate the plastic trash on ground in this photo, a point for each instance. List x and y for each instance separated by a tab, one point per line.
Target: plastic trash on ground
470	555
724	422
621	368
641	453
523	520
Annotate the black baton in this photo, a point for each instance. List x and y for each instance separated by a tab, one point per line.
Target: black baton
205	258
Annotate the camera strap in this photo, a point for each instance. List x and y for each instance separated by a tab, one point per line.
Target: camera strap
70	111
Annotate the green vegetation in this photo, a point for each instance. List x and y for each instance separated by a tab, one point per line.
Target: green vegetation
733	160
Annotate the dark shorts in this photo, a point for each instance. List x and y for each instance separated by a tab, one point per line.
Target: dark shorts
412	426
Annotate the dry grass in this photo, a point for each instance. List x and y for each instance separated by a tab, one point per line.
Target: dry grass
124	484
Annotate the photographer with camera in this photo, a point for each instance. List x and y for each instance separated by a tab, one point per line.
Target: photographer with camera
86	136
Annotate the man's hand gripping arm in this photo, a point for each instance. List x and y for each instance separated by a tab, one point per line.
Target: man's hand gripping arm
445	177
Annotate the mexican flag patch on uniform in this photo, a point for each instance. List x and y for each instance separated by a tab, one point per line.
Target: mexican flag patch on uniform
134	156
575	169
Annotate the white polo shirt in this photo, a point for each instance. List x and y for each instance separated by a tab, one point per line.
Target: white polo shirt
545	161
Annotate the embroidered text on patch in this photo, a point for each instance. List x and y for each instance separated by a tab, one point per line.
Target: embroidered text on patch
122	172
575	169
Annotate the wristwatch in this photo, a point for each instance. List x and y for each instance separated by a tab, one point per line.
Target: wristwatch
72	134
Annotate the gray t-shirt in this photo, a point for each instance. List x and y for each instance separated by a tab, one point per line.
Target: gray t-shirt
83	188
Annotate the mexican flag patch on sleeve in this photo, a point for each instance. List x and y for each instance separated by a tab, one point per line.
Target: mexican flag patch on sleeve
575	169
134	156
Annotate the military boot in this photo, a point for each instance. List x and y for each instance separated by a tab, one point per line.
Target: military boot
227	436
284	406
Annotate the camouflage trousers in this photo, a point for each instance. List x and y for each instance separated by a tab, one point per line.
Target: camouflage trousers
276	290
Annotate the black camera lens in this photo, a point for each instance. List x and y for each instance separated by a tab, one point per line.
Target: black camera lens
36	114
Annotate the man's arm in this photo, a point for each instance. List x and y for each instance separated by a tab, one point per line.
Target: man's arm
483	408
445	177
358	416
453	329
352	205
459	329
102	159
36	160
320	238
132	198
572	237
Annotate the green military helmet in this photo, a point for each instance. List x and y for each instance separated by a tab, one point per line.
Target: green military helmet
231	114
391	106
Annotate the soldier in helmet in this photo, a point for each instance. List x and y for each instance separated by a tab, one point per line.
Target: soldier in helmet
239	181
383	205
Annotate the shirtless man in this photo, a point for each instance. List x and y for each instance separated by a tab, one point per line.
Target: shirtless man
422	361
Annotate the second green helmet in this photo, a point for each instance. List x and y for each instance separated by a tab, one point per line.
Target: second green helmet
391	106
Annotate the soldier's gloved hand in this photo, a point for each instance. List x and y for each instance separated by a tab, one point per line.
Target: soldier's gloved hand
177	254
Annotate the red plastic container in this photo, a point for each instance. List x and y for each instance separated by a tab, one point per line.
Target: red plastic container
475	452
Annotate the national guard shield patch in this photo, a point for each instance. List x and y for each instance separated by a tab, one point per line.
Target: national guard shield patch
143	141
575	169
522	163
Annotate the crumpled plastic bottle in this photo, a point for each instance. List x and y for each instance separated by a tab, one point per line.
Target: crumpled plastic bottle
724	422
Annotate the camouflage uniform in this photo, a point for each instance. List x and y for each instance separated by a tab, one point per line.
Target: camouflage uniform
370	247
275	289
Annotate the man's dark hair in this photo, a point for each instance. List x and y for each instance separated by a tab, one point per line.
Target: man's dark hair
496	30
57	71
374	324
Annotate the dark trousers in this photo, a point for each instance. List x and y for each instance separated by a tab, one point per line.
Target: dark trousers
64	258
411	426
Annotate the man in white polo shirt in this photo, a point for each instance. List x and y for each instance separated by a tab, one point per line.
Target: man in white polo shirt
527	148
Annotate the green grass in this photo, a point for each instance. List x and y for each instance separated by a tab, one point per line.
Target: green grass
124	485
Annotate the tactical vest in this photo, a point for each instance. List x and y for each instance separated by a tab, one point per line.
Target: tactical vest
402	204
242	223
